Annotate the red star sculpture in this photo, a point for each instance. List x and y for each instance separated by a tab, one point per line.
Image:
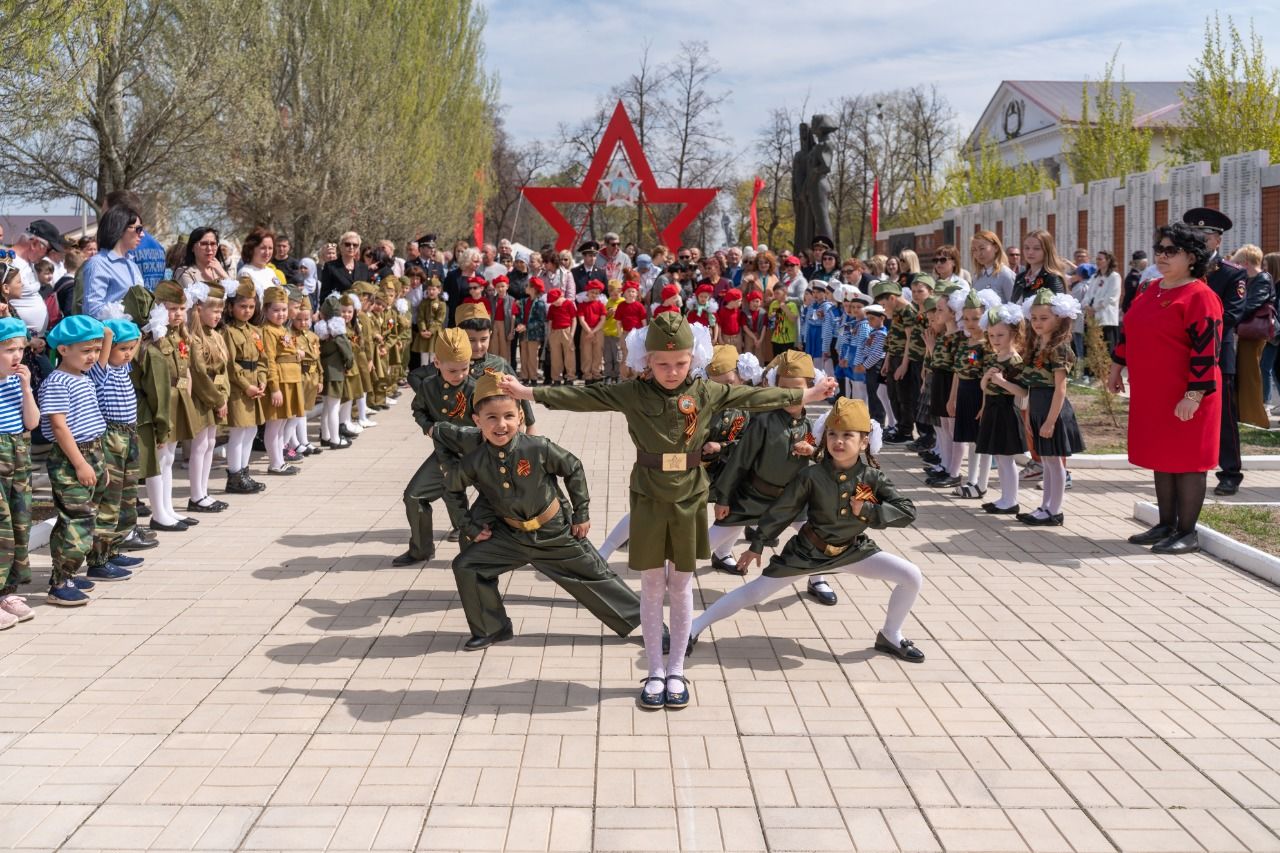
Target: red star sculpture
619	132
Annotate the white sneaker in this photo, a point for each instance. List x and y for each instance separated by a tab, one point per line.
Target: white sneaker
7	620
16	605
368	422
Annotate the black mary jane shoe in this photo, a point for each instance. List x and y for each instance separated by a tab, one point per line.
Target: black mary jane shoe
1054	520
721	565
681	699
475	644
943	482
995	510
180	527
189	521
1153	535
143	510
215	506
1178	543
827	597
906	650
653	701
337	445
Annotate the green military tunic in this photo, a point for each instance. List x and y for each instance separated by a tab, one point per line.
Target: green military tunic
518	481
669	507
1039	372
760	467
153	385
336	359
726	430
826	494
434	401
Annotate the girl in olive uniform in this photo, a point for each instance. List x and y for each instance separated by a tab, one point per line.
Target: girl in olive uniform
1000	432
210	389
966	391
336	361
669	416
368	346
151	385
353	388
184	421
308	343
247	371
284	377
841	497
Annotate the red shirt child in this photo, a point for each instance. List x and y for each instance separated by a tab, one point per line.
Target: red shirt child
670	296
560	311
630	314
591	311
729	317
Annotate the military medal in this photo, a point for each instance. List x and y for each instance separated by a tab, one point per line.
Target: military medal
688	407
459	405
287	340
523	468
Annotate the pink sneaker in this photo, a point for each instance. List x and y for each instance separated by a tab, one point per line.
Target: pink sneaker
16	606
7	620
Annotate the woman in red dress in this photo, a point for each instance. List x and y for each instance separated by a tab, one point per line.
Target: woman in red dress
1169	340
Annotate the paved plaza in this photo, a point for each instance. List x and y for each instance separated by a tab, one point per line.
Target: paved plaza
269	682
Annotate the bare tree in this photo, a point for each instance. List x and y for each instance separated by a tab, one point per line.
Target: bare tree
512	167
774	146
642	95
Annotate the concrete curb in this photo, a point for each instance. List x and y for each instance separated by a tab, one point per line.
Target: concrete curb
1121	460
1220	545
40	532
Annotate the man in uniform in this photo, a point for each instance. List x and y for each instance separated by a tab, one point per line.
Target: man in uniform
522	517
442	394
1227	280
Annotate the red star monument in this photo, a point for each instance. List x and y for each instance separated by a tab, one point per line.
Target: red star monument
692	200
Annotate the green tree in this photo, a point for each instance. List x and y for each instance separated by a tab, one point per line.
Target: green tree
30	28
1231	103
974	176
1105	143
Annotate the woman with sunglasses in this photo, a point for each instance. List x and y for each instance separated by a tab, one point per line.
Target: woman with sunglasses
1169	340
109	274
338	276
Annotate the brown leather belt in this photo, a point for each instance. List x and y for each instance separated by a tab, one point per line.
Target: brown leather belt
817	541
669	461
552	510
764	487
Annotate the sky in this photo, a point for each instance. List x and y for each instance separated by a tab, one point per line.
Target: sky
554	58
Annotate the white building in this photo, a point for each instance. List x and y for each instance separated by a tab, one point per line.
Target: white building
1026	117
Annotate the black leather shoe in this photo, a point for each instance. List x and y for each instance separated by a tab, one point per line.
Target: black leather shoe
1225	489
407	559
931	458
144	511
453	535
1150	537
995	510
652	701
906	649
188	521
827	596
1178	543
943	482
722	565
346	433
681	699
337	445
180	527
1041	520
215	506
135	541
477	643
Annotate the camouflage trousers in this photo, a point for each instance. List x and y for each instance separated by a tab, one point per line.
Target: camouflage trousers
77	506
15	511
118	509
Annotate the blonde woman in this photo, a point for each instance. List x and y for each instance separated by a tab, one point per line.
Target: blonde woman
210	386
991	265
767	270
1259	292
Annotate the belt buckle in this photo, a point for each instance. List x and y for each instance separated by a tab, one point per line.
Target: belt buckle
530	525
675	462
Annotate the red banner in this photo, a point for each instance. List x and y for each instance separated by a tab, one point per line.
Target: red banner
875	213
478	229
755	222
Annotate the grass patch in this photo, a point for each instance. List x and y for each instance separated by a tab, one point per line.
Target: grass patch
1101	435
1257	526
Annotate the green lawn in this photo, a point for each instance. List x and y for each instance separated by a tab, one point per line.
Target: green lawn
1258	526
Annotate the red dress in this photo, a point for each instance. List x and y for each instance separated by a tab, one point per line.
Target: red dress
1170	341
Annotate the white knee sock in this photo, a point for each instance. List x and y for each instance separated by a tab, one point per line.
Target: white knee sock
296	431
620	533
1055	483
653	588
246	445
955	458
1008	467
983	477
723	539
907	581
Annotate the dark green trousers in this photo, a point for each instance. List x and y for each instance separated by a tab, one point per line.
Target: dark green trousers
77	505
574	565
427	485
15	511
118	509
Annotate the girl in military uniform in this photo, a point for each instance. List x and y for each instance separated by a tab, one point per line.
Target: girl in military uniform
369	342
1047	360
669	416
210	389
284	377
1000	431
308	344
336	360
841	497
247	370
430	319
184	420
966	392
353	387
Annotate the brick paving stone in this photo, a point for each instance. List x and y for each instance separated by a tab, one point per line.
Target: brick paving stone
282	687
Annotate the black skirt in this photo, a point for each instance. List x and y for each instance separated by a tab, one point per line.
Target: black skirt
1000	431
925	413
968	404
1066	438
939	395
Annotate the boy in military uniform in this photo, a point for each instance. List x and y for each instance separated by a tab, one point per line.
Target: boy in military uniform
442	393
841	497
901	315
669	416
522	516
18	416
473	318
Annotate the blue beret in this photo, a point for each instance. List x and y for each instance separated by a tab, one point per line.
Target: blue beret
123	330
73	330
12	327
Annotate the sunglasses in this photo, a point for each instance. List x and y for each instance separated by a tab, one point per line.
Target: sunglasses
137	229
351	245
1166	249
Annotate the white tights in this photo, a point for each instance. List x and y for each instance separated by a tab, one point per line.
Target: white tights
160	487
363	407
979	466
620	533
295	432
329	416
239	446
654	585
273	438
723	539
946	448
905	577
1055	483
345	416
200	462
1008	468
882	393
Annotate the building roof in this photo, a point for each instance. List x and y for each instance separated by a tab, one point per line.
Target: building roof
1155	103
16	223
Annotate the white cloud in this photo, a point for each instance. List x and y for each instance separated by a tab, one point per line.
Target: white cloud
556	58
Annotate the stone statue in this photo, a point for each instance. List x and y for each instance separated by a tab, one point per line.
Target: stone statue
810	184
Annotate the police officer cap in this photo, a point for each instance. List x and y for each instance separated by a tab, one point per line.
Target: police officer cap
823	241
1208	219
589	246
